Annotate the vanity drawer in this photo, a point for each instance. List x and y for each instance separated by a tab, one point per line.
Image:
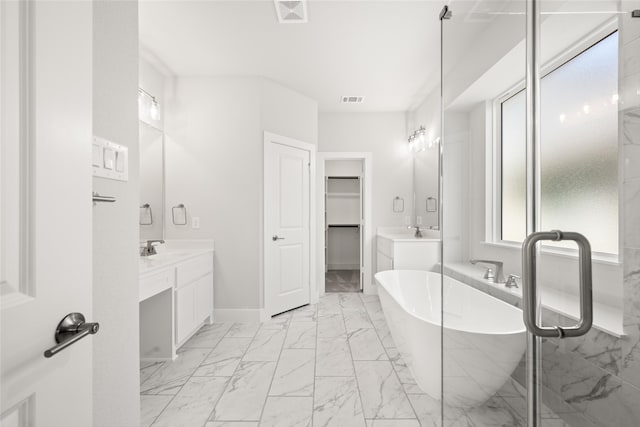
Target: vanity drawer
191	270
152	285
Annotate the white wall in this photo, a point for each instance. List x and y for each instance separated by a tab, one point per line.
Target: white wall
343	168
455	182
214	165
385	136
288	113
343	249
116	386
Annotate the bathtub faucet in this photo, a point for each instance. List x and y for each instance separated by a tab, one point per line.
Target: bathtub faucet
499	273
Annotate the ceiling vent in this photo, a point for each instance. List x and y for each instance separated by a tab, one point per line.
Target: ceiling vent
352	99
291	11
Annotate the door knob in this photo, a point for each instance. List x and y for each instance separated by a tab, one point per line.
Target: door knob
275	237
71	329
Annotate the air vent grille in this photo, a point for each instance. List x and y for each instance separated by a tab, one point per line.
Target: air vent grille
291	11
352	99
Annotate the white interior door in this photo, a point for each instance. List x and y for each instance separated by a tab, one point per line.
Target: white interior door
45	210
286	201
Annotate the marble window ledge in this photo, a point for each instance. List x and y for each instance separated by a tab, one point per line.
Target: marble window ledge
608	319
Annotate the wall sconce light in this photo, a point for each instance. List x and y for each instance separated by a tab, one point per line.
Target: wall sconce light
147	104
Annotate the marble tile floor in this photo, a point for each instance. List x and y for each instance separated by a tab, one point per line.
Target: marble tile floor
330	364
342	281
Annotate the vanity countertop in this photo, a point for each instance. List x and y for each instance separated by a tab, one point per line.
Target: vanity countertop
399	234
173	252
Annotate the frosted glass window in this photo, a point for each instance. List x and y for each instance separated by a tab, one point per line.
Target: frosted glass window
579	150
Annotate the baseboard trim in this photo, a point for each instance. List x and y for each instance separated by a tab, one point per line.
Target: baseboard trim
240	315
157	359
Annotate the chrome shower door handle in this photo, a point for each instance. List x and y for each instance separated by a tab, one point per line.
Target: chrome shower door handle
529	287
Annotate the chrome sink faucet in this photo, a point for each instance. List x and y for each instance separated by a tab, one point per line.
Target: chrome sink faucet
499	275
418	233
150	248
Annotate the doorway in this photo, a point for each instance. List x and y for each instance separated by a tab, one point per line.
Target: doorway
343	221
344	213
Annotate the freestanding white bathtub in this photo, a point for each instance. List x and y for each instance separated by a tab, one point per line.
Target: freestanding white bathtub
484	337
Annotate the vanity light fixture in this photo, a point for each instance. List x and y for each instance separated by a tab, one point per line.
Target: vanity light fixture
154	112
412	141
154	108
418	140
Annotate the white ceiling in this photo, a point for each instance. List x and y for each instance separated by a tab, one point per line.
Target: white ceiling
386	51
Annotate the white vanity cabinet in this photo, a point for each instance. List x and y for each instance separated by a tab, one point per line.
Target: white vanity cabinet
193	296
176	300
404	252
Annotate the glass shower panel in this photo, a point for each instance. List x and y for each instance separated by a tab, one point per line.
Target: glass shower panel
584	52
586	181
483	334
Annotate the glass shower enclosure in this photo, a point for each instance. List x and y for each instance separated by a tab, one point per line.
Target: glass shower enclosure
540	206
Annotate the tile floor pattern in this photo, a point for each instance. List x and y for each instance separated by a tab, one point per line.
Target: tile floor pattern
342	281
331	364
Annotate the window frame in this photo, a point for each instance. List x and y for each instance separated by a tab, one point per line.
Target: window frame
493	226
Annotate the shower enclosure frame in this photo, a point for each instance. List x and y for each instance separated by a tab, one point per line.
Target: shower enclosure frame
533	76
531	298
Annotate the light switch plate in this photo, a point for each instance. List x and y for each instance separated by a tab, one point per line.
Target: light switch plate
96	155
110	160
121	160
